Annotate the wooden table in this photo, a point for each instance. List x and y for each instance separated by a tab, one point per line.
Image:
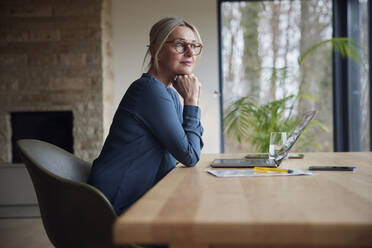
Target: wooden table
191	208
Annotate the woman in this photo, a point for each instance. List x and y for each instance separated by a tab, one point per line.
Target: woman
151	129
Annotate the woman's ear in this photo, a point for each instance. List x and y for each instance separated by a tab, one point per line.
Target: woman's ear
152	52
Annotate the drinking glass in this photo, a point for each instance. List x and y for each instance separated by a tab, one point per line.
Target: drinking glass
277	141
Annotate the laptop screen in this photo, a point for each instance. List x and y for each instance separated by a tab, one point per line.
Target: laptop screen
296	134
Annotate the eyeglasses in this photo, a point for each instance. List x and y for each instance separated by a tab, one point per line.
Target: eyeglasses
181	46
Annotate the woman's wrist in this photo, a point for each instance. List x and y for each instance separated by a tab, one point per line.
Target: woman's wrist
191	101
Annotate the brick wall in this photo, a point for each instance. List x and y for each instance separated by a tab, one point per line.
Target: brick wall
56	55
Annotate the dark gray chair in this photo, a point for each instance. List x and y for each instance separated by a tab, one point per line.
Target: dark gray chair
74	214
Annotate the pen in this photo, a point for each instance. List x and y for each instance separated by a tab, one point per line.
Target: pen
265	169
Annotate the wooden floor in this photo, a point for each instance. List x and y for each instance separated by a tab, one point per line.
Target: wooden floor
19	233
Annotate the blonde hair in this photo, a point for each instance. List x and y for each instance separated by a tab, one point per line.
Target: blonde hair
160	32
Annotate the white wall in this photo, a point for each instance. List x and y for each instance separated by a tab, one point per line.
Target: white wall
132	21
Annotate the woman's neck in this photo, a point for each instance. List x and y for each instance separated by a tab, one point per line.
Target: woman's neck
166	80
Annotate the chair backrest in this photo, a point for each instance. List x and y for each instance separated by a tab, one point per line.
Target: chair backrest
74	213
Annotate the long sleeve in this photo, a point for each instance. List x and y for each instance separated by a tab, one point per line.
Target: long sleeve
159	115
149	132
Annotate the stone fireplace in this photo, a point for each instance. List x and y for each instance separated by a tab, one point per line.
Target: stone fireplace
55	56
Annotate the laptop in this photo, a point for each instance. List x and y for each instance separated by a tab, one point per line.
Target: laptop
267	162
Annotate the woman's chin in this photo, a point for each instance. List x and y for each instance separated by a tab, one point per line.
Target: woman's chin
184	71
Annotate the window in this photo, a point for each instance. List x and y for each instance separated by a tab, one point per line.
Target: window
364	77
351	80
280	52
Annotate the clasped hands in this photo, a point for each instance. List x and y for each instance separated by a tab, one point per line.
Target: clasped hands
188	86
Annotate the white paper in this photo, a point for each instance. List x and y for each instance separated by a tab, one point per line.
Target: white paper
252	173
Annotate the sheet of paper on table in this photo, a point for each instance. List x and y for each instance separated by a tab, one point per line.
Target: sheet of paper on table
252	173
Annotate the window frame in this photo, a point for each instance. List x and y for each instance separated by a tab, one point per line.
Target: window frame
370	71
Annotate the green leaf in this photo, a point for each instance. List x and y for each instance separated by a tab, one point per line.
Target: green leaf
308	96
248	121
347	47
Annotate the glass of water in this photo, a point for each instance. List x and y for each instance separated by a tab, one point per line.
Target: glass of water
277	141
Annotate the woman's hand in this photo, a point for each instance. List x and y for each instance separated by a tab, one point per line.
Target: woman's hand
188	86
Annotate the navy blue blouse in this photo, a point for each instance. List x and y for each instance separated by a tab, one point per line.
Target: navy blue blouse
148	134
